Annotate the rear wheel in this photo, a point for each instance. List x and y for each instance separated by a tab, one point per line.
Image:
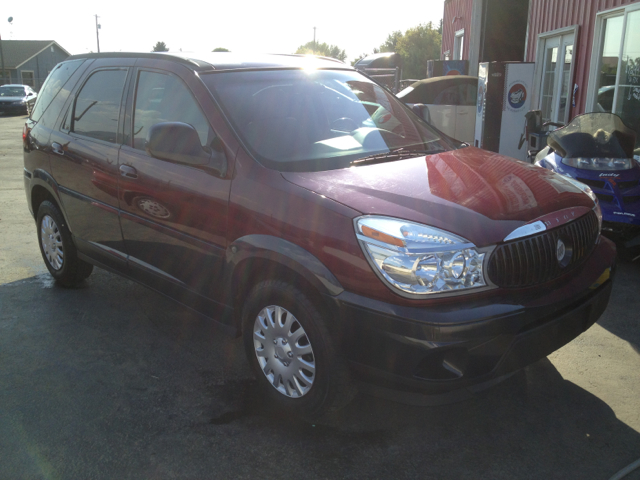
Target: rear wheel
57	247
292	353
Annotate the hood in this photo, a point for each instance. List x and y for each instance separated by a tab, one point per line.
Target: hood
479	195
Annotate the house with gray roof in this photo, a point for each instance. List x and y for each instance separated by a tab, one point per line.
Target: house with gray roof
29	61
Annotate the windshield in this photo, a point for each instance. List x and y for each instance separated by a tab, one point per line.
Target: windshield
12	92
310	120
594	135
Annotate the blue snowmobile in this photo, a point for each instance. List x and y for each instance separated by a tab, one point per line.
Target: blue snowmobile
597	150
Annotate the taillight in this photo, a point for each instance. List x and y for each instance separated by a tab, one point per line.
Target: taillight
25	133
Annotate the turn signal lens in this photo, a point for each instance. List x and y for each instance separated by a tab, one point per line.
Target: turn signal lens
383	237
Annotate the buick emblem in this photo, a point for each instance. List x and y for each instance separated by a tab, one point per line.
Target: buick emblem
560	251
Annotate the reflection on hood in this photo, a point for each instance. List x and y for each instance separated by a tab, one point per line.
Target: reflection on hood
493	185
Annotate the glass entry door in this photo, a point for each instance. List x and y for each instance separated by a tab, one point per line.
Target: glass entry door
555	90
616	88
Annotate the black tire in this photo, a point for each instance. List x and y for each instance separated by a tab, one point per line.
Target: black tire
58	250
330	388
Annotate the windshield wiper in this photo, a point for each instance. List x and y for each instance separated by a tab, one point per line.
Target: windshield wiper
397	154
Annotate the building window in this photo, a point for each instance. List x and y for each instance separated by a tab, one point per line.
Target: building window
458	45
615	80
27	78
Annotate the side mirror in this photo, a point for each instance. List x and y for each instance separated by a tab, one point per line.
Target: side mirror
422	111
179	142
29	94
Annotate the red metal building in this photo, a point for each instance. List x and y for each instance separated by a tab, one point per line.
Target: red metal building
586	52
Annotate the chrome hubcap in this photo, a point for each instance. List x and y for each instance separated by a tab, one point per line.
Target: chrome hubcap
51	239
153	208
283	351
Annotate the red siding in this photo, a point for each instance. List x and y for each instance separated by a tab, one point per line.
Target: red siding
457	15
548	15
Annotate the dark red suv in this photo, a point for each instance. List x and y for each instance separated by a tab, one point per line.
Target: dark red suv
303	206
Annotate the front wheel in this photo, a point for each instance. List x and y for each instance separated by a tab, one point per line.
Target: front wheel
57	247
292	353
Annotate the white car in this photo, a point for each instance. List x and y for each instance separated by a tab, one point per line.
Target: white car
451	101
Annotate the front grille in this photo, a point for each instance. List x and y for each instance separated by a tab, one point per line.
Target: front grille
532	260
627	185
604	198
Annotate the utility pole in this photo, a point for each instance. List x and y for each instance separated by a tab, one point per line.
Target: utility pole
314	37
4	81
2	66
97	36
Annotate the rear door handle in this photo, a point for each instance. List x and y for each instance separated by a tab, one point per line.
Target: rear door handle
127	171
57	148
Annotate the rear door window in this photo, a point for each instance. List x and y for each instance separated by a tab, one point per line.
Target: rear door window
96	111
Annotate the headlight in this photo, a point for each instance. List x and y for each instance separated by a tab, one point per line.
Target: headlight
608	164
418	259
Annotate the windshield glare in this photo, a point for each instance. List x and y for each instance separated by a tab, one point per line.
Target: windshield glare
306	120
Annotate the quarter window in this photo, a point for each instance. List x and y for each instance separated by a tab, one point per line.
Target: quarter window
53	84
97	107
164	98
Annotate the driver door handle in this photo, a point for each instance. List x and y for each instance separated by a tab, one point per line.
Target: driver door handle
127	171
57	148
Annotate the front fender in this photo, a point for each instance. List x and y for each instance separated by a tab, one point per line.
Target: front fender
284	253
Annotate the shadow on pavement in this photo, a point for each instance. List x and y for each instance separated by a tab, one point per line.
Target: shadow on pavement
622	317
113	381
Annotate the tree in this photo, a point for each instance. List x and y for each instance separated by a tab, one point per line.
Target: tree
415	46
220	49
391	43
160	47
323	49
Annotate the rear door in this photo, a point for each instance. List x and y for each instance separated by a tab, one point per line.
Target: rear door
466	111
174	215
84	161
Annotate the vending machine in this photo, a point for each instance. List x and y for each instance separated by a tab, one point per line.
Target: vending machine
504	96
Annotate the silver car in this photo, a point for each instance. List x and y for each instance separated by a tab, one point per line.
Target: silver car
17	99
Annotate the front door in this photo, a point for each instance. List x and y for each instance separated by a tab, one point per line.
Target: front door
174	215
556	91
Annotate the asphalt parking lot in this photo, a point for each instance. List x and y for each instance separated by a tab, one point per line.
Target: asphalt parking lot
111	380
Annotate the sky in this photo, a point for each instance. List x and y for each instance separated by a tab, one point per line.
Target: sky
240	26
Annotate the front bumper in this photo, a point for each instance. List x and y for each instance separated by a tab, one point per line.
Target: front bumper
20	108
453	346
